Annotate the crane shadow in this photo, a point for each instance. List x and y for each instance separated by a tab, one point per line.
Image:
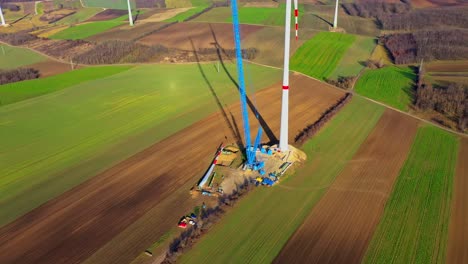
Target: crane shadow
323	19
232	126
271	136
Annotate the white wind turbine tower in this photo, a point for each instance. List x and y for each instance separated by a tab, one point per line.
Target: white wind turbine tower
2	18
130	18
335	21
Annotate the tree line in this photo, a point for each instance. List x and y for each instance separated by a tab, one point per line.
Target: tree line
119	51
450	100
312	129
426	18
17	75
372	8
449	44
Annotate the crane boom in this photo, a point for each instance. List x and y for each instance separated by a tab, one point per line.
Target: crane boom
250	152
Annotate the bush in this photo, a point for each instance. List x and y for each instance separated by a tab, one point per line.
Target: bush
16	39
343	82
17	75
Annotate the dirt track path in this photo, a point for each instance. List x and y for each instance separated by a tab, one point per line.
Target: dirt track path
341	225
458	230
75	225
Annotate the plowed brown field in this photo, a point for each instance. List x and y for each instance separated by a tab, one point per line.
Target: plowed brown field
178	36
72	227
458	229
50	68
340	227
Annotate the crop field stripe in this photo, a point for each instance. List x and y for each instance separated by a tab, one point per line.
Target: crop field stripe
414	226
340	226
19	91
391	85
86	30
110	111
184	15
14	57
261	223
351	63
319	56
458	230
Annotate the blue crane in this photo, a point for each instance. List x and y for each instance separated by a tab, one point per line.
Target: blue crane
249	149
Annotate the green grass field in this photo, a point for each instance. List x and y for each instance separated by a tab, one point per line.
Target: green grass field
319	56
249	15
110	4
259	225
184	15
86	30
178	3
14	57
81	15
391	85
19	91
414	226
40	8
54	142
353	60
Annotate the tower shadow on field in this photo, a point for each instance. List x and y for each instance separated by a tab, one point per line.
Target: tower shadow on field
233	128
271	136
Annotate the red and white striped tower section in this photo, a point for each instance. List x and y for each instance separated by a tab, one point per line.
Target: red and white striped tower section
283	142
296	14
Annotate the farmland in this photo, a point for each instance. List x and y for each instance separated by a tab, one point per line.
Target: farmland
81	15
391	85
415	222
248	15
85	30
352	62
98	113
184	15
243	233
149	183
14	57
458	229
19	91
340	226
108	4
319	56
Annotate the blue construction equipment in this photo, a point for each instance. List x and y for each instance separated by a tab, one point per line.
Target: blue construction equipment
249	149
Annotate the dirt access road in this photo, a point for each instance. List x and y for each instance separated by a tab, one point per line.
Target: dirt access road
75	225
341	225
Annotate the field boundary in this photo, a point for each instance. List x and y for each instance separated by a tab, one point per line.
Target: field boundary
260	64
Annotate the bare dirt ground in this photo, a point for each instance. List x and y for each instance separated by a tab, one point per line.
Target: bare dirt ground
159	17
432	3
447	66
50	68
179	35
126	32
148	190
107	15
341	225
458	230
262	4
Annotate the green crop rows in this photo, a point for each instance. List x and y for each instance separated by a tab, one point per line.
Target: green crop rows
62	138
391	85
414	226
319	56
